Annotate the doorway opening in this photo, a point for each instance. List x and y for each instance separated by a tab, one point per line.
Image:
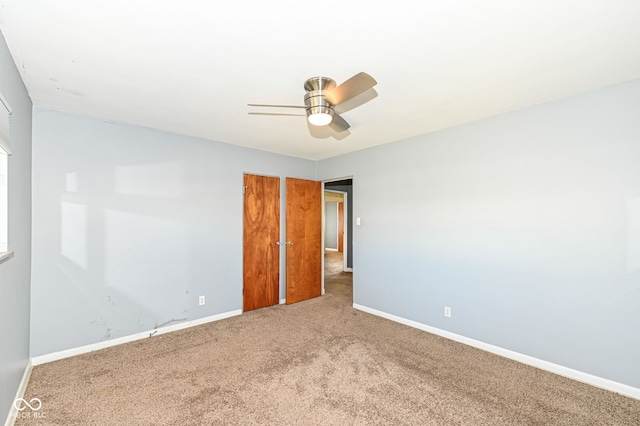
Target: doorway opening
338	238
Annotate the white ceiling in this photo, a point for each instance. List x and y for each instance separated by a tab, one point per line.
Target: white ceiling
191	67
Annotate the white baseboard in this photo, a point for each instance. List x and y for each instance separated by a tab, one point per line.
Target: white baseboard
283	301
13	412
330	249
348	269
55	356
580	376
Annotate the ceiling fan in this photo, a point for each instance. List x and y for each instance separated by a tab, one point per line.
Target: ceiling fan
323	95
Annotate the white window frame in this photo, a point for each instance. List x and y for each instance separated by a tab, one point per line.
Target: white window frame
4	202
5	152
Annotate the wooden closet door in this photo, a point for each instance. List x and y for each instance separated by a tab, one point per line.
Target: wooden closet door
261	242
304	239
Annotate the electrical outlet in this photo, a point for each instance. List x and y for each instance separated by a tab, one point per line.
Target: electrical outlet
447	312
201	300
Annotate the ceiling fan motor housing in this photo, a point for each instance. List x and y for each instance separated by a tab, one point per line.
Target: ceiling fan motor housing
314	99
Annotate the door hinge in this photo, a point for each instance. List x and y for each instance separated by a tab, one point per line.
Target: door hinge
244	189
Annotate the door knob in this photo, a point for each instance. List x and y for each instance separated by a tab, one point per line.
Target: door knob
289	243
277	243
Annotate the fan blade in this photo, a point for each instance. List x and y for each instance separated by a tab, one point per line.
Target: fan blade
276	106
277	113
351	88
338	123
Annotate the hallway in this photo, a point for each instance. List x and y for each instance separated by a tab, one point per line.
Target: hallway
336	281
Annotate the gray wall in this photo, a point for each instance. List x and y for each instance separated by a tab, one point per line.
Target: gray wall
15	273
131	225
527	225
331	225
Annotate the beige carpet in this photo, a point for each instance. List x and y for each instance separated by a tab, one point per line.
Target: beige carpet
318	362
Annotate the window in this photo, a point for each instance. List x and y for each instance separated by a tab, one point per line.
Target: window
3	202
5	151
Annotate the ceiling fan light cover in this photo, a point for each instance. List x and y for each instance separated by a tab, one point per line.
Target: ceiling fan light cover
320	118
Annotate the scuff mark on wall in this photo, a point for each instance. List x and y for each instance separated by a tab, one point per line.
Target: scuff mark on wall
169	322
102	323
107	335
